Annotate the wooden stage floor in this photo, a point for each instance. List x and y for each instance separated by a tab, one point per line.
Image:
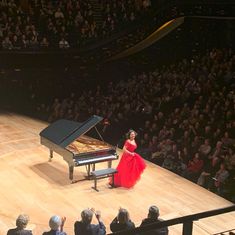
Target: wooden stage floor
32	185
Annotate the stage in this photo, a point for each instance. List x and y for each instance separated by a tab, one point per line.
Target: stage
31	184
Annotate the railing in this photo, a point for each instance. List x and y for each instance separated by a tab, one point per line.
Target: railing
230	232
187	222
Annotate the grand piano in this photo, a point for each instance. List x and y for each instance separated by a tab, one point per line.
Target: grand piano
67	138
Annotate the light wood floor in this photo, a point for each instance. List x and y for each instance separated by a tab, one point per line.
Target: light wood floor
32	185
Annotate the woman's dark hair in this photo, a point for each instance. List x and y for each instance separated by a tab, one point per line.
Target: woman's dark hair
129	132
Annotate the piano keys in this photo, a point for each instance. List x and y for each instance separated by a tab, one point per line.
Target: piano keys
68	140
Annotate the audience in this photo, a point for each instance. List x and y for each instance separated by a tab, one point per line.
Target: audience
122	221
73	21
21	223
118	13
56	224
83	22
42	23
84	227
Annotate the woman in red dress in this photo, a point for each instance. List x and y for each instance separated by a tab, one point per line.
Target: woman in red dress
131	164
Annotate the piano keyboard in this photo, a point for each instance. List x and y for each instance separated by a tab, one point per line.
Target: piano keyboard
79	162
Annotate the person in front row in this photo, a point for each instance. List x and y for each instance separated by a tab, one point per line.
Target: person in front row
153	217
56	225
84	227
122	221
21	223
131	165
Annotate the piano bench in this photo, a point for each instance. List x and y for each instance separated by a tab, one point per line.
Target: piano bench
104	173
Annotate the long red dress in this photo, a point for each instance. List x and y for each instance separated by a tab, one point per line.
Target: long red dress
129	168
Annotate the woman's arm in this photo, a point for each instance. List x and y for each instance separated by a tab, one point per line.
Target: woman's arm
63	219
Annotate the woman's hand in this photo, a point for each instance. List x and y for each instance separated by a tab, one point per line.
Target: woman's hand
63	219
97	213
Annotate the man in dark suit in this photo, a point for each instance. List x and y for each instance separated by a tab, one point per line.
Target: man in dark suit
84	227
21	223
153	217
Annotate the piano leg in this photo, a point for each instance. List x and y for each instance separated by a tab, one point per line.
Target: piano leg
88	169
109	164
51	155
93	167
71	168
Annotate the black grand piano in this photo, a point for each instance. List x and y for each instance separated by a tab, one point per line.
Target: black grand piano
67	139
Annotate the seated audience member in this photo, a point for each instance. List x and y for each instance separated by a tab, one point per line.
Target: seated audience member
56	224
227	140
44	43
230	160
84	227
209	169
217	152
21	223
205	148
204	178
153	217
63	44
194	168
218	181
121	221
7	44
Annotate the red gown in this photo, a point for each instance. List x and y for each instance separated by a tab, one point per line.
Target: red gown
129	168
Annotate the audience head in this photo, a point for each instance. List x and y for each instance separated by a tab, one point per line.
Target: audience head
87	215
22	221
207	142
219	144
123	216
55	222
153	212
222	166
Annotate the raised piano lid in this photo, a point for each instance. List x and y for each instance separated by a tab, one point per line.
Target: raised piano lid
63	132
